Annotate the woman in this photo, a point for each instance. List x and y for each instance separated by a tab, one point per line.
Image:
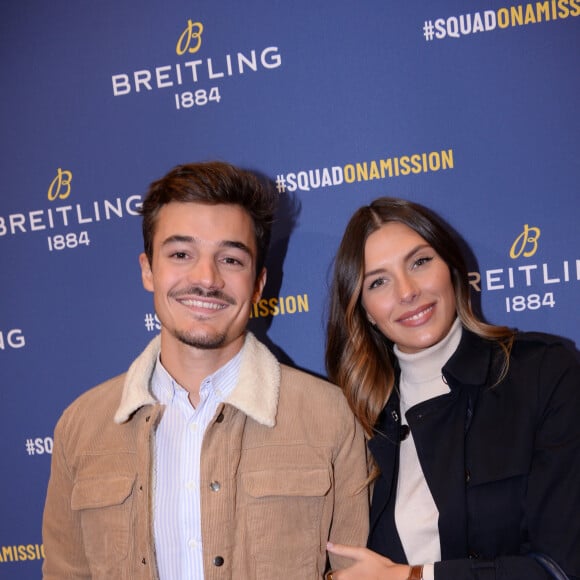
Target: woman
474	429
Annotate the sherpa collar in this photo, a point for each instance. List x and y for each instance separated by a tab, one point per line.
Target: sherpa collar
255	394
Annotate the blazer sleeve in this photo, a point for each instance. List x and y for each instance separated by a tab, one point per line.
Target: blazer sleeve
552	500
61	527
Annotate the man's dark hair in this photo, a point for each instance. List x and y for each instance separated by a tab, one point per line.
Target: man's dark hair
212	183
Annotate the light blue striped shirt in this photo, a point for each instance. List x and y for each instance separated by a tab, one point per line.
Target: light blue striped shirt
176	493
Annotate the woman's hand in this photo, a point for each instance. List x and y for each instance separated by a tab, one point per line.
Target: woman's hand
367	565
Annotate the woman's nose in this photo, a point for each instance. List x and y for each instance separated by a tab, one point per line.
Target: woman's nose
408	289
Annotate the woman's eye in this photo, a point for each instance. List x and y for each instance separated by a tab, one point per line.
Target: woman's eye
424	260
376	283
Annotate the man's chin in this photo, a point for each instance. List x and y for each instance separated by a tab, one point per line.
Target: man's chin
202	341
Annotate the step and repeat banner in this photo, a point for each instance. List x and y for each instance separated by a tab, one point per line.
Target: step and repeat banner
468	108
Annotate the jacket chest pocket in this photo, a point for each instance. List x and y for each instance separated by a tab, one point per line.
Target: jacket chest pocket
105	507
284	517
496	497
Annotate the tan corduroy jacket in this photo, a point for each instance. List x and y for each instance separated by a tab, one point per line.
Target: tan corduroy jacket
285	449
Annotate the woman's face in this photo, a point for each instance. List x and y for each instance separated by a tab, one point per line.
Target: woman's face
407	290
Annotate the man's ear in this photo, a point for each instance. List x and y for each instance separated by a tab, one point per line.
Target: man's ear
146	273
259	286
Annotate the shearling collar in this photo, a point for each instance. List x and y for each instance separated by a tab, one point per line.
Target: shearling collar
255	394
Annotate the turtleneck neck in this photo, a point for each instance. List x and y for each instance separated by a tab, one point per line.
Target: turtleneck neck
421	372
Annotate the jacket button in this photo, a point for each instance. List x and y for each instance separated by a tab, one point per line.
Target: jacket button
467	476
219	418
473	555
218	561
215	486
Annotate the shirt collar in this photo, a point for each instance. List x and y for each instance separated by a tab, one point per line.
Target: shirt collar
222	381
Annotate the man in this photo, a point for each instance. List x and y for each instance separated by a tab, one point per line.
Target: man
208	459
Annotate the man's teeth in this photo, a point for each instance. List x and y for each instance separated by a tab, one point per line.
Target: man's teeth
203	304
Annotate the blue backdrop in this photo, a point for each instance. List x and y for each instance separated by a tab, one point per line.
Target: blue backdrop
471	109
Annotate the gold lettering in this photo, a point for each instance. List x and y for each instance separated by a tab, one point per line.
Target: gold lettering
530	235
62	179
190	39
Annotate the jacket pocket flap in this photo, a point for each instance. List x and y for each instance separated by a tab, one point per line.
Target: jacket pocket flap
287	482
102	492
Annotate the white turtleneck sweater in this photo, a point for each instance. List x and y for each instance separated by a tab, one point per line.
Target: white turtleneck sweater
416	515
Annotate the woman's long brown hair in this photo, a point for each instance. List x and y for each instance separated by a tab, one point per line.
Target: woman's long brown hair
358	357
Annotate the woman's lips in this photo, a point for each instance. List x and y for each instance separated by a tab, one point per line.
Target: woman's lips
418	316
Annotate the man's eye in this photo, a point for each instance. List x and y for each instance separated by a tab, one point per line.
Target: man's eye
179	255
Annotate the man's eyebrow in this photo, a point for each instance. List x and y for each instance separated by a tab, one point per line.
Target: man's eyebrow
178	238
238	245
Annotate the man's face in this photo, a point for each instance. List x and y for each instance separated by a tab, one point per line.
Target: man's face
203	274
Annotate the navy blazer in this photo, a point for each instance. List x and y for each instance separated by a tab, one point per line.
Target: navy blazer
502	462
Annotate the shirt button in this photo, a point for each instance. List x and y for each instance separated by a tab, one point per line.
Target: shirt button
215	486
218	561
193	427
191	485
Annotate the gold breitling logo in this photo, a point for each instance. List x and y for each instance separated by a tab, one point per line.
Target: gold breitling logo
60	185
527	239
190	39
